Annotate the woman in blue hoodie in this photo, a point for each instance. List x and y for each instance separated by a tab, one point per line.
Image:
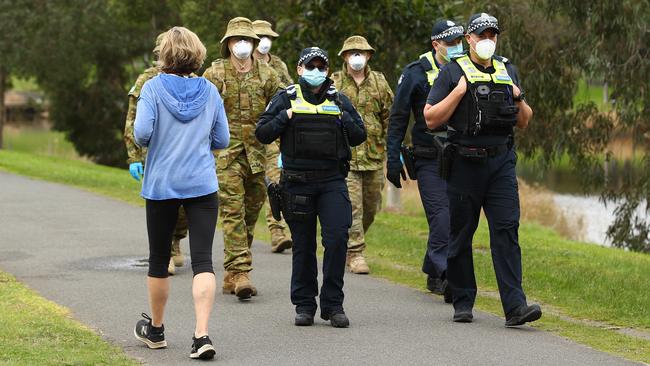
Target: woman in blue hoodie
180	120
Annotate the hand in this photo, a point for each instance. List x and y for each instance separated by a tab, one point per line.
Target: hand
136	170
516	92
393	174
461	87
289	113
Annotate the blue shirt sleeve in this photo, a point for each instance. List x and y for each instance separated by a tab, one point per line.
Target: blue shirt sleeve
145	116
442	86
220	134
399	116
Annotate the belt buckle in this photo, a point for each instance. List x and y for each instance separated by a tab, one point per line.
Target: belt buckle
477	153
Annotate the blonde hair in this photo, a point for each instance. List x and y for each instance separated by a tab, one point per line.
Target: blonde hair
181	51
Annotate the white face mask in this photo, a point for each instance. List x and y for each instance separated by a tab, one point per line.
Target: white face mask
357	61
485	49
265	45
242	49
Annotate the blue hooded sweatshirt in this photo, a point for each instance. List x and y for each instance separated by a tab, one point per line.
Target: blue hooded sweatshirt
180	120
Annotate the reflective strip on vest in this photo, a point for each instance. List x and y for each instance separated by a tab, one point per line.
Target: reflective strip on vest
433	73
473	75
301	106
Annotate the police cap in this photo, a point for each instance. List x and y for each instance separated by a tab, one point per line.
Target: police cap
478	23
446	30
311	53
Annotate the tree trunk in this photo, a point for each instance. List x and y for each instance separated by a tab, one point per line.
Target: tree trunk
3	112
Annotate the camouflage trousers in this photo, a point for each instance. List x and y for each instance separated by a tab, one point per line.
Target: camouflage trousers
241	196
273	173
180	231
365	189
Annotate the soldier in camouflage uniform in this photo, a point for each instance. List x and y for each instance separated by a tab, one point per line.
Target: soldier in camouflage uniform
137	155
279	238
246	86
372	97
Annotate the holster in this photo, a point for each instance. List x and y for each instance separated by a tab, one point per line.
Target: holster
409	161
445	156
297	207
274	191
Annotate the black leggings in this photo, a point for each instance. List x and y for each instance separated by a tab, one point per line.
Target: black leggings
201	215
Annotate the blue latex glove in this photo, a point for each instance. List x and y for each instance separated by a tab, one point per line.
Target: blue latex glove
136	170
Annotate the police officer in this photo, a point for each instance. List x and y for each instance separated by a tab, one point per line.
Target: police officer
371	96
479	97
137	155
317	125
246	86
280	241
412	90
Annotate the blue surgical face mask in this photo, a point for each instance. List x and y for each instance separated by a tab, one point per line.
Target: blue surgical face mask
454	51
314	77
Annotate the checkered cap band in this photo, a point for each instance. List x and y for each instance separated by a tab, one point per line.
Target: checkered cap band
314	53
452	31
483	21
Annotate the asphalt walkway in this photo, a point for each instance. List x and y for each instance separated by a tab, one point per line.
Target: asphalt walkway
88	252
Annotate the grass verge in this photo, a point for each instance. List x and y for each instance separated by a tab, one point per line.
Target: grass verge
35	331
581	281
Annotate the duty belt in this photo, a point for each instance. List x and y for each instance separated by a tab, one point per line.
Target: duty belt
300	176
427	152
481	152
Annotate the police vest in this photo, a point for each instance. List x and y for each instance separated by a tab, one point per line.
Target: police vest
488	107
314	139
432	73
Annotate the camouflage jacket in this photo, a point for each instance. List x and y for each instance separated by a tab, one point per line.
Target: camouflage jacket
373	100
136	153
245	97
281	68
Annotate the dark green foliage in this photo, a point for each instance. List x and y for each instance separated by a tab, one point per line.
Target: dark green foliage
86	55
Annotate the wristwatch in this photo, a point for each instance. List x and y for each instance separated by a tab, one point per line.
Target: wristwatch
519	98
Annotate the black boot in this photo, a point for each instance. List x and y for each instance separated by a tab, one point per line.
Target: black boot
523	314
338	319
304	319
463	315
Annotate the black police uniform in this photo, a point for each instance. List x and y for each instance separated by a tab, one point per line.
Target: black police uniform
315	161
410	96
482	176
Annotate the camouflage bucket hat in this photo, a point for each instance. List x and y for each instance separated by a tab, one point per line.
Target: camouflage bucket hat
238	27
356	43
263	28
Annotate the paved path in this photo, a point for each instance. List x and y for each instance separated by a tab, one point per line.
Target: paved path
84	251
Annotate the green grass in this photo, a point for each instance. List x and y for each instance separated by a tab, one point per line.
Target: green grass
35	331
112	182
591	93
581	281
39	141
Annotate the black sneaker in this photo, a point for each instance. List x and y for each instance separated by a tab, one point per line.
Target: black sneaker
337	319
202	348
152	336
304	319
463	315
523	314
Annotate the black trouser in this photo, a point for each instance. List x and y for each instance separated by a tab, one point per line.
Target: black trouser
330	203
433	193
490	183
201	213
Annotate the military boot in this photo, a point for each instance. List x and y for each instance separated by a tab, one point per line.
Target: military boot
279	241
171	268
243	286
229	284
177	256
357	263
